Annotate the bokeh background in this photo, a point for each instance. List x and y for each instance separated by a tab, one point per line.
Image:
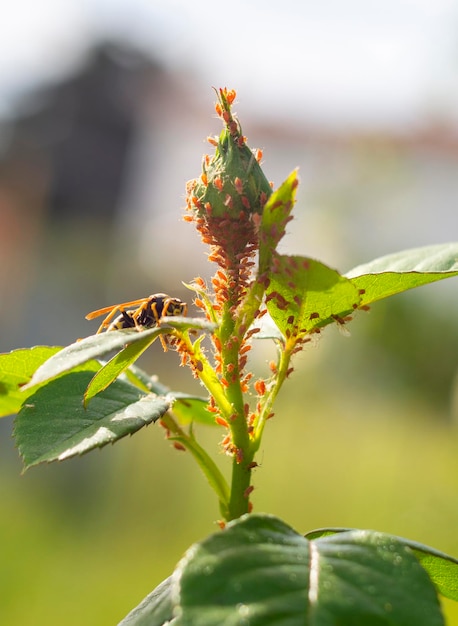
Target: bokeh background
104	110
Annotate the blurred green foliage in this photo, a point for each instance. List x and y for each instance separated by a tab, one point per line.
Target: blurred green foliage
85	541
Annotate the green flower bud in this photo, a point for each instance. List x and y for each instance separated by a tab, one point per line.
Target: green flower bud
228	198
232	181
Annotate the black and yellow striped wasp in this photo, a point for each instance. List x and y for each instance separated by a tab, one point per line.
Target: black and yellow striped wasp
143	313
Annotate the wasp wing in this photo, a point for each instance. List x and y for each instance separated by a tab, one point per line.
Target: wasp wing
115	307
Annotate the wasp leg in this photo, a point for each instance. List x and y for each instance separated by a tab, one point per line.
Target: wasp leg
107	320
164	343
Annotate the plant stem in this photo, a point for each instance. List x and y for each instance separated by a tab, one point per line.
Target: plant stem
205	462
239	503
269	398
230	354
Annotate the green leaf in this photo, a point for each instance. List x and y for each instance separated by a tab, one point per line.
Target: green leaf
53	425
189	323
275	216
389	585
189	408
437	258
154	610
186	407
116	366
146	382
87	349
96	346
399	272
259	571
442	568
16	369
268	329
305	294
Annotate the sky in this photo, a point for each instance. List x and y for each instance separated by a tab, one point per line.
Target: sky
358	62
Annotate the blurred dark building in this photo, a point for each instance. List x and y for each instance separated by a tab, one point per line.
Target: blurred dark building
78	133
62	169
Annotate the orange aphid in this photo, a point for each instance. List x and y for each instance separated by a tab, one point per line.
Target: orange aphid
218	183
231	95
199	303
226	441
260	387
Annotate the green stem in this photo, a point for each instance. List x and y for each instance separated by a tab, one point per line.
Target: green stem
229	399
231	342
230	347
239	502
205	462
271	394
246	447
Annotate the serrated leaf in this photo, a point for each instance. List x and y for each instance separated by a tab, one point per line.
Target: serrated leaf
442	568
96	346
261	572
116	366
395	273
87	349
16	369
53	425
437	258
305	294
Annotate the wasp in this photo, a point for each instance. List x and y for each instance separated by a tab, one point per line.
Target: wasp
143	313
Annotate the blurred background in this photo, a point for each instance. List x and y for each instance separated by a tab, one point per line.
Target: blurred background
104	110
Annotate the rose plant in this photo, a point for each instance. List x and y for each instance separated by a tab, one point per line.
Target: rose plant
256	569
